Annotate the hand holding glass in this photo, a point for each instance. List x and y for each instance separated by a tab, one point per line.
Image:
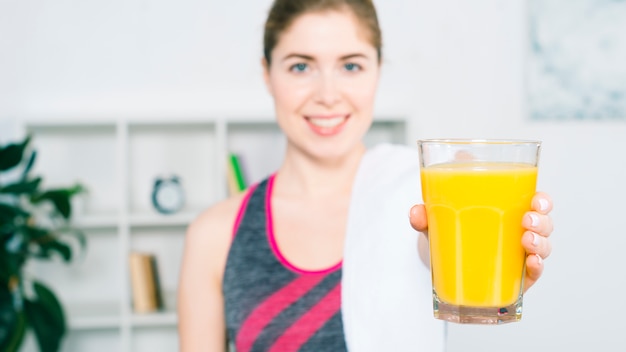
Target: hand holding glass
476	193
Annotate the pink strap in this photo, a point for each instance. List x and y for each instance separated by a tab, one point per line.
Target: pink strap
242	209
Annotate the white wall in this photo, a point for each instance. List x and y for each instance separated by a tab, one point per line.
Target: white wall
456	66
470	83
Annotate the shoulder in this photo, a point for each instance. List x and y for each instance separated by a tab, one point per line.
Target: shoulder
200	298
209	236
217	220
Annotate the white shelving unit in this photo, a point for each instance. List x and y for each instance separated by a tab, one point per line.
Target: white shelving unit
118	160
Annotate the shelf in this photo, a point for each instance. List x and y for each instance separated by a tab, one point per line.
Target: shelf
62	125
260	146
82	153
386	130
118	161
159	149
94	316
94	222
153	220
169	124
164	318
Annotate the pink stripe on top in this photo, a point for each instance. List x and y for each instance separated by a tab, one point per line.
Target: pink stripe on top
293	338
271	307
272	239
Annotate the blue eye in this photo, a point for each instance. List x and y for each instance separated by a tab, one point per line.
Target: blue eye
299	67
351	67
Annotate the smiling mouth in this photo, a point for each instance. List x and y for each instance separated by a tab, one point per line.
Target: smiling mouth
327	125
326	121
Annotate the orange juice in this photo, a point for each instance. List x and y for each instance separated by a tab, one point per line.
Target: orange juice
475	212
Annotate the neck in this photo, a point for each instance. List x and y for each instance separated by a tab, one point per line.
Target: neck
308	176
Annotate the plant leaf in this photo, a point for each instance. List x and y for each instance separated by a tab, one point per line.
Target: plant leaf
6	229
63	249
63	206
49	300
36	234
11	155
29	164
10	264
8	213
60	198
75	189
79	236
46	317
22	187
18	334
5	271
12	323
45	243
82	240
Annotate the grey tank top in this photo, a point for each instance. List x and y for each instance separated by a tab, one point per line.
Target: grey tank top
271	305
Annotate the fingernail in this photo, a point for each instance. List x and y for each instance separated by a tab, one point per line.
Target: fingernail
539	259
534	220
535	239
543	204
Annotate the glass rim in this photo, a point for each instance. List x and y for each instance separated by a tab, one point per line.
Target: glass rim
464	141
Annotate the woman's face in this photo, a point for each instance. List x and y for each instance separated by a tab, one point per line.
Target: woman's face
323	78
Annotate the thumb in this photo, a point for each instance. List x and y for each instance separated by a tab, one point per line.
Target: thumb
417	217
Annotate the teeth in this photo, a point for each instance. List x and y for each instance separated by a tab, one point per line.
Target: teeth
332	122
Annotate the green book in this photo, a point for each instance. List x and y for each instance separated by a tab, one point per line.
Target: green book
236	172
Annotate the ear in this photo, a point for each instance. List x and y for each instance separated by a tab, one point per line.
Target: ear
266	74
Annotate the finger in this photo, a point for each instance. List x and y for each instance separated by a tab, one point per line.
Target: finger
534	243
538	223
541	203
417	217
534	269
423	250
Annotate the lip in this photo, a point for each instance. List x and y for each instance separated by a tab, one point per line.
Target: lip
328	130
325	116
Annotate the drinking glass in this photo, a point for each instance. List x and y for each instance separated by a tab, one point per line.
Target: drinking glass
476	193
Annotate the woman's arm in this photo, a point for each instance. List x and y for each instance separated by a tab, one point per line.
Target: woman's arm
201	324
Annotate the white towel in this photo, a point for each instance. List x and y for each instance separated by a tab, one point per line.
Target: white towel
386	288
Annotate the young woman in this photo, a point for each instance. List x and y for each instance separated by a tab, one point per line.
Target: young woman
265	269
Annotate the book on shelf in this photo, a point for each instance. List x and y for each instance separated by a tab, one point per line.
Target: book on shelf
237	182
144	277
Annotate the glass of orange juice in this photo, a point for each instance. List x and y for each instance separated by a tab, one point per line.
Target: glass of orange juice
476	193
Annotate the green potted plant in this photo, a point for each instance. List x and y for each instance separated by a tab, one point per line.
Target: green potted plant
33	225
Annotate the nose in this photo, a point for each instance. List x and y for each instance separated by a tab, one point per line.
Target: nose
327	90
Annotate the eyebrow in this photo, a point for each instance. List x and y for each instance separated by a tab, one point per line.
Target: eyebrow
311	58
